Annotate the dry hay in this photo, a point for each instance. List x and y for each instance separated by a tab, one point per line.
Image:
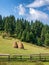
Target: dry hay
15	45
20	45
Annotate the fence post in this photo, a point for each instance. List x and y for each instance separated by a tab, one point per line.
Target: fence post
8	57
40	57
45	58
20	57
30	57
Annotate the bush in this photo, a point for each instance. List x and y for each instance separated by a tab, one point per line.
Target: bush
39	43
4	35
47	42
14	35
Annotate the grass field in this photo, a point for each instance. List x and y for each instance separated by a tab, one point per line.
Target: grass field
7	48
23	63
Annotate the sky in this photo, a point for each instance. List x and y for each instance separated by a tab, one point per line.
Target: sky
27	9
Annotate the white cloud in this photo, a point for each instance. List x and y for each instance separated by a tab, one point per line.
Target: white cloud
33	14
38	3
47	8
39	15
21	9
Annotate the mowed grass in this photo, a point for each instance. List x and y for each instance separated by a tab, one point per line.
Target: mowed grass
6	47
23	63
27	63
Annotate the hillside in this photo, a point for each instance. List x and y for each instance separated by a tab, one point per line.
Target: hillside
6	47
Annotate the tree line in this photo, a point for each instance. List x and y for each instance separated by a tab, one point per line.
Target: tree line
34	32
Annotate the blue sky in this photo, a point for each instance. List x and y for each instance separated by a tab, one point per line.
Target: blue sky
28	9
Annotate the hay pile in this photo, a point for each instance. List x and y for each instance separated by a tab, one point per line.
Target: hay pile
20	45
15	45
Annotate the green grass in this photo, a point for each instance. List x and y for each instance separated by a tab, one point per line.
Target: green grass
6	46
22	63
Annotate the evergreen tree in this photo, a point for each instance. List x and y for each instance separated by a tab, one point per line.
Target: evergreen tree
44	31
1	23
23	38
10	25
32	38
37	27
27	37
35	32
47	39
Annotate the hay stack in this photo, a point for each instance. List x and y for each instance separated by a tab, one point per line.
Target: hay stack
15	45
20	45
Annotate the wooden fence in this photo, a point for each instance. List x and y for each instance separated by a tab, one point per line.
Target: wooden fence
20	57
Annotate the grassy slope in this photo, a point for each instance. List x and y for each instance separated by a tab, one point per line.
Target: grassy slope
6	47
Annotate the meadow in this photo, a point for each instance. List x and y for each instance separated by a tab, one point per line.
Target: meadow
24	63
6	47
